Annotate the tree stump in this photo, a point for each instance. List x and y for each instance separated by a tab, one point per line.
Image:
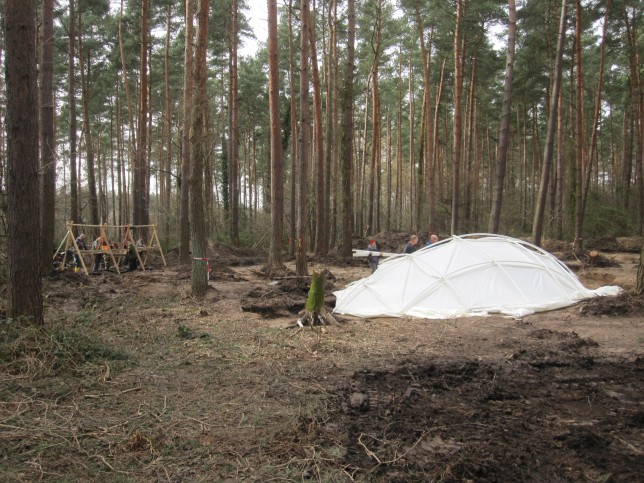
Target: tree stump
315	302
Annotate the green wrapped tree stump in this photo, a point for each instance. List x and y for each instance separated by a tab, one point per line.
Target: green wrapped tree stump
315	312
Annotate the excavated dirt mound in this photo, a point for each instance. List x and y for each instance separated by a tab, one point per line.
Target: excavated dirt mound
236	256
286	294
550	412
621	305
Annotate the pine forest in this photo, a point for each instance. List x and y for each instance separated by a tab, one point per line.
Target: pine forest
321	240
350	118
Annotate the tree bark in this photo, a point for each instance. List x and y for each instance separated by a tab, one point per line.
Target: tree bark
47	137
233	128
166	186
346	147
132	157
277	166
639	285
321	228
560	171
199	153
140	194
501	163
596	115
330	165
186	154
579	137
375	117
458	123
304	144
635	128
424	175
537	225
294	136
87	133
434	161
71	94
23	213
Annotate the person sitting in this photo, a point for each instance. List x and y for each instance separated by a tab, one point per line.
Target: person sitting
411	246
130	258
80	243
140	243
98	244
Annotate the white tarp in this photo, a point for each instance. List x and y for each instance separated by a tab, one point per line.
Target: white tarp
465	276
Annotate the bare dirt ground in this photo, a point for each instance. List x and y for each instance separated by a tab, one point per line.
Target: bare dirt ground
135	380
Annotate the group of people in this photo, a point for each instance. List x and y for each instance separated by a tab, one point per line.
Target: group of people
411	246
102	244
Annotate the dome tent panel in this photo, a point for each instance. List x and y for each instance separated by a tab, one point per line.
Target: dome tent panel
465	276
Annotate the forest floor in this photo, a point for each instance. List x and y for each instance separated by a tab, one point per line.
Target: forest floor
133	379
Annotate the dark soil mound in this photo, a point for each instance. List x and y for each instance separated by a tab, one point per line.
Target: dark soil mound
622	305
607	244
548	415
237	256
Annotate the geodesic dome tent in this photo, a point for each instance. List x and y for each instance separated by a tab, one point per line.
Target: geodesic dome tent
467	275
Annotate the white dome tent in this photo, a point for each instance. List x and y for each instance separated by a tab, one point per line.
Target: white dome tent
468	275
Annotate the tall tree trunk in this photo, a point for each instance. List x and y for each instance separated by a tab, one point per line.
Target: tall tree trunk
537	225
112	163
579	137
502	159
412	111
458	123
47	138
294	137
186	154
375	116
164	176
277	163
426	126
596	114
321	228
23	203
132	157
633	124
433	163
73	142
389	175
639	282
399	150
346	147
469	161
362	166
233	152
628	126
330	189
199	153
560	171
140	195
304	144
87	133
120	158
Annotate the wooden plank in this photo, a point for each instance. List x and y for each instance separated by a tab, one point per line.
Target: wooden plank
364	253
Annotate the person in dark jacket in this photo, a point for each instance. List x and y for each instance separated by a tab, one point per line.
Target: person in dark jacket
412	244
